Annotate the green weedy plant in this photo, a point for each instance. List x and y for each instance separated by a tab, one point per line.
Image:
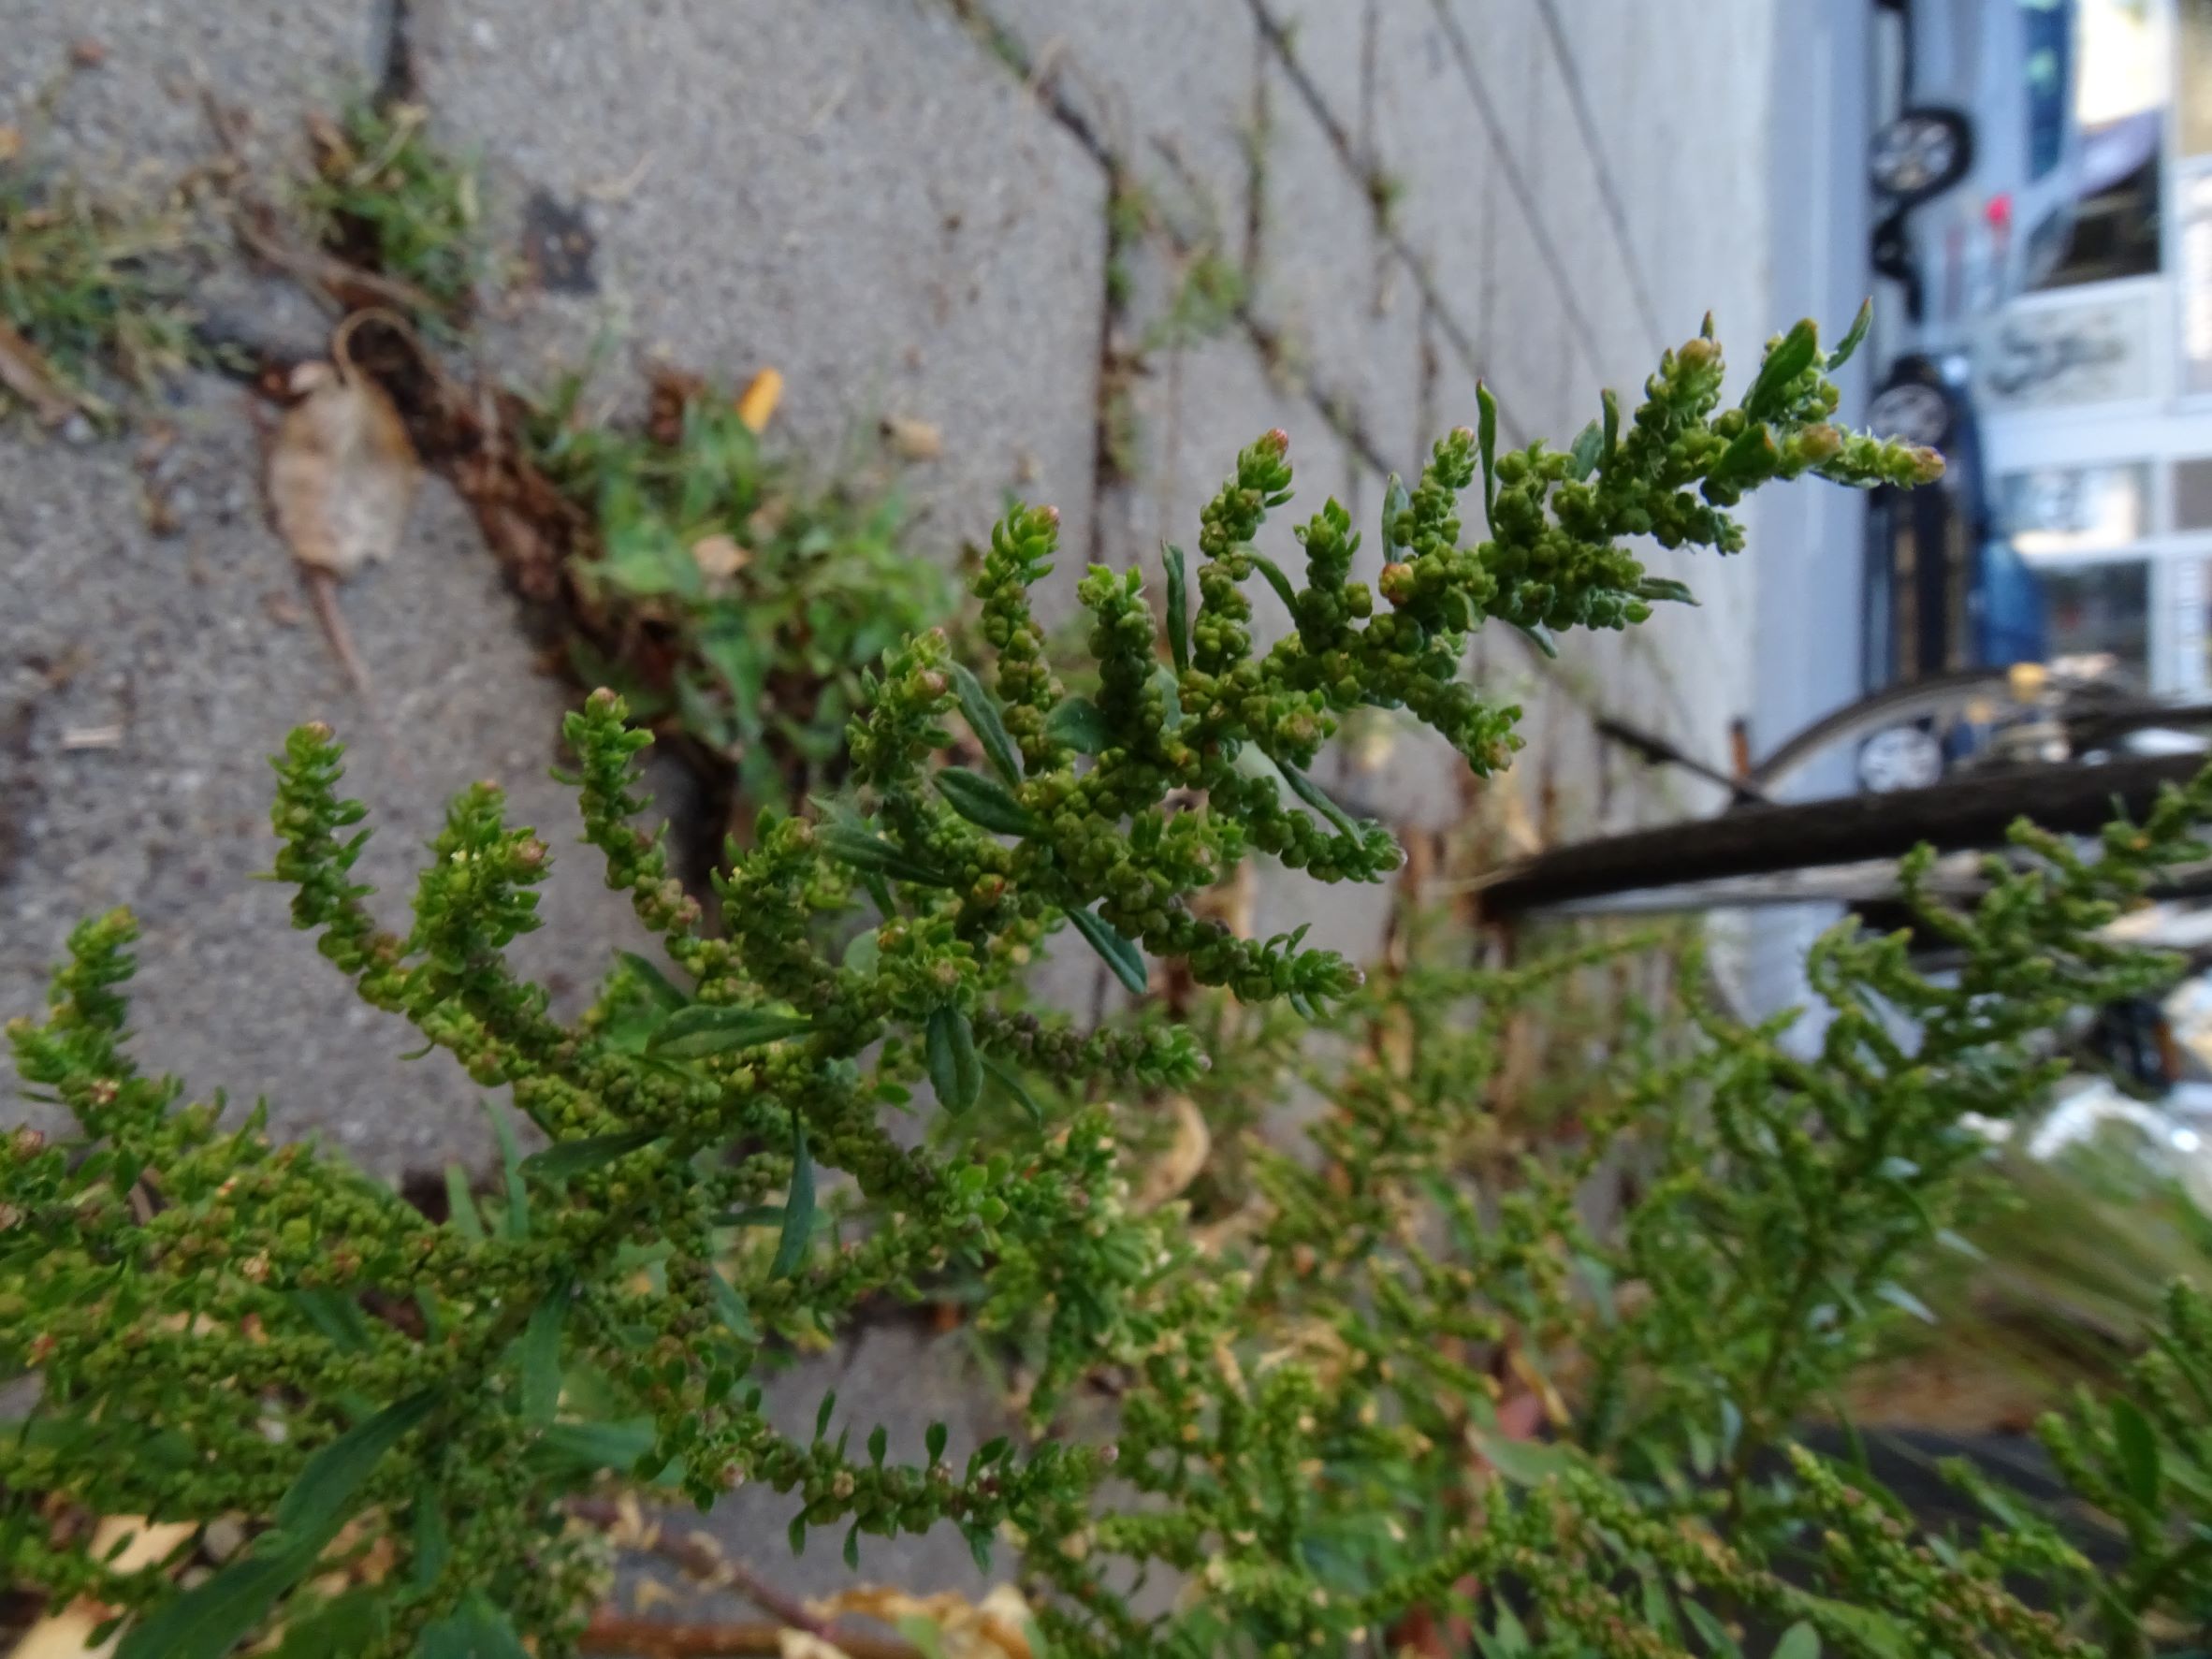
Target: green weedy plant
386	198
90	295
1301	1420
726	592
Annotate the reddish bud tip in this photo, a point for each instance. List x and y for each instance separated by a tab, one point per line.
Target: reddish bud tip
1277	440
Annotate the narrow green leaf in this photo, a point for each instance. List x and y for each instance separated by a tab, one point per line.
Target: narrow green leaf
979	1547
1613	426
541	1355
799	1209
1395	500
566	1158
933	1441
730	1306
704	1029
956	1072
796	1535
337	1317
1486	438
1717	1639
208	1620
585	1449
463	1204
2138	1447
823	1412
872	854
1793	353
1899	1296
1006	1078
1539	636
473	1630
984	802
1590	450
981	710
1122	957
1508	1637
1178	608
1077	723
1799	1641
1277	580
433	1543
1659	1607
1524	1462
346	1625
1750	455
1853	336
503	1127
320	1500
655	983
1170	692
852	1547
1665	590
1306	790
879	1443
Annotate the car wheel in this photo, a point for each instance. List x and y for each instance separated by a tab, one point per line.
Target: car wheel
1903	757
1911	410
1919	153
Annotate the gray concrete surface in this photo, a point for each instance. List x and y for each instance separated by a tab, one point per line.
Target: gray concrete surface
903	205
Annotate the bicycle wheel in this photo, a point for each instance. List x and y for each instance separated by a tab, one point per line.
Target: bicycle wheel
1842	849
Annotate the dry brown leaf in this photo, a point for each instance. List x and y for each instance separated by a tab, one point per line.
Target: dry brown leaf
25	373
997	1627
66	1635
342	473
1177	1166
756	404
718	557
805	1644
912	440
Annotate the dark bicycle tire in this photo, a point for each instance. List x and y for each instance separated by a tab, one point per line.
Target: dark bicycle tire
1958	815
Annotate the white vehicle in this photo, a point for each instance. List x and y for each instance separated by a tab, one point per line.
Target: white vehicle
1977	174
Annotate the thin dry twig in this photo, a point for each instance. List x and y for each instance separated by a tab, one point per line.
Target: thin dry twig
699	1558
347	284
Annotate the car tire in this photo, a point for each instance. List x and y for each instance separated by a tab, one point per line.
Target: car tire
1917	411
1919	153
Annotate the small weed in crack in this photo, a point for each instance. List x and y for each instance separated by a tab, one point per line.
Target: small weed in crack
91	297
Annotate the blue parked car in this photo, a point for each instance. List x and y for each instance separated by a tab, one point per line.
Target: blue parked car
1945	591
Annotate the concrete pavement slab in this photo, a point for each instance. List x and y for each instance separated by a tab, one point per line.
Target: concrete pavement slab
856	195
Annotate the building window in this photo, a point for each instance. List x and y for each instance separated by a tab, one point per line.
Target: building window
2062	512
